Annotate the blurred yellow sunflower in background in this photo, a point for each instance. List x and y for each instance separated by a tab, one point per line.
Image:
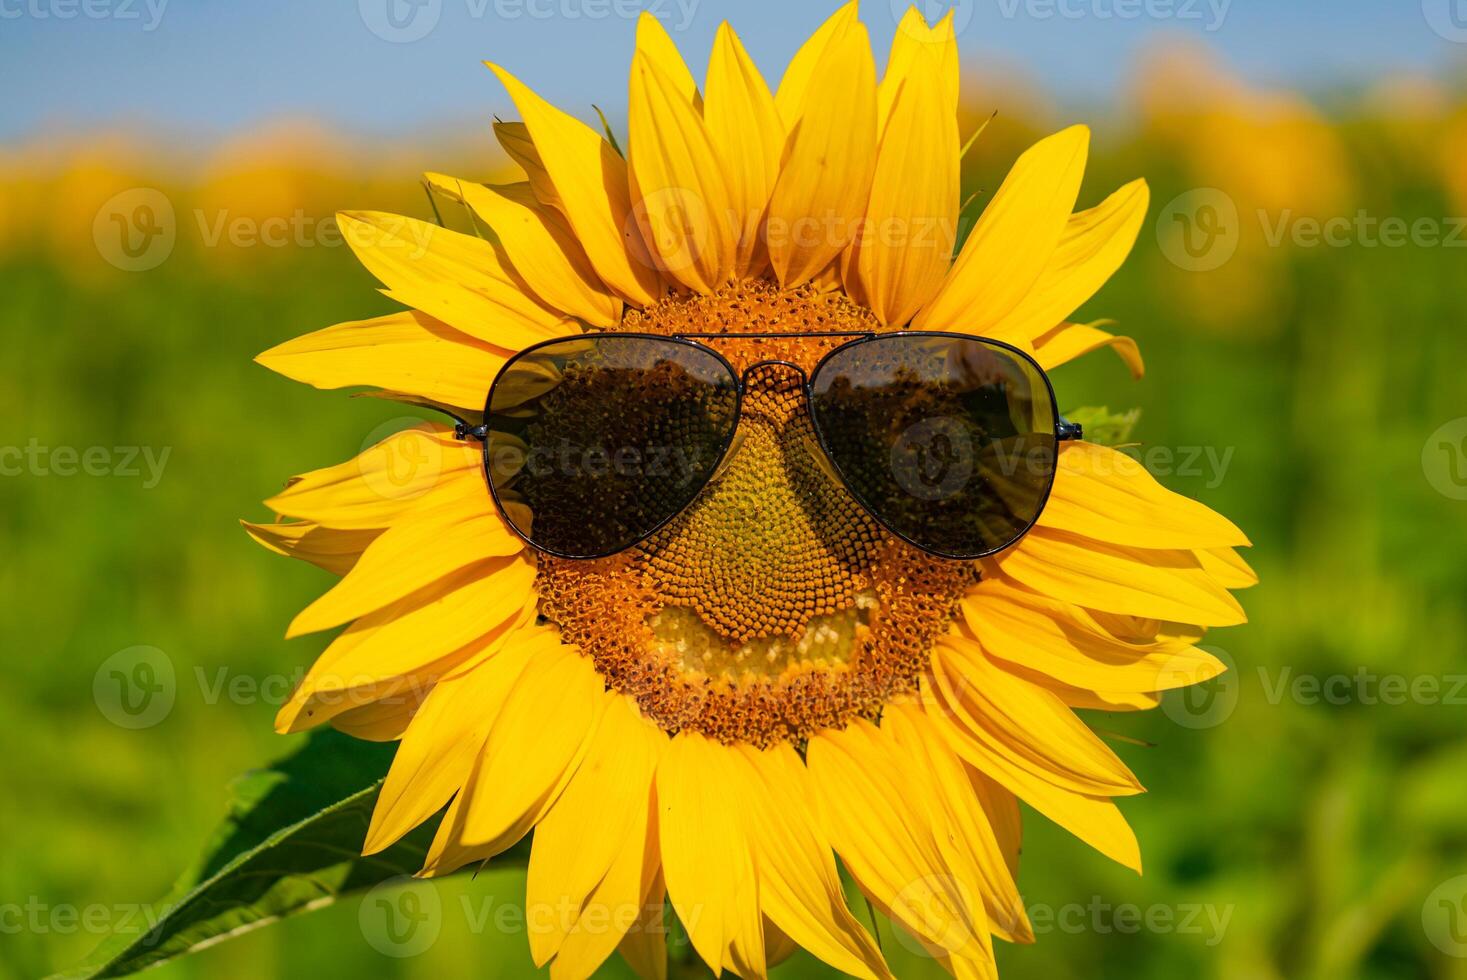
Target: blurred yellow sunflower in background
771	680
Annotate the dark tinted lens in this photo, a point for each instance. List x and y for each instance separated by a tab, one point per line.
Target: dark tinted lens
594	442
950	441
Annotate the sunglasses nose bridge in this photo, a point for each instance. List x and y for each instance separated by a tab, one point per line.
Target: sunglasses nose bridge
770	365
774	389
777	393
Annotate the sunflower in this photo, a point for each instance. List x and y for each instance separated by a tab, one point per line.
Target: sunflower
770	682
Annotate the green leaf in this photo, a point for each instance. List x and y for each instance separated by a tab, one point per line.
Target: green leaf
606	129
1104	427
290	843
968	214
977	133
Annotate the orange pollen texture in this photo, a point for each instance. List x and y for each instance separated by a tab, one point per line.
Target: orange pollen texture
774	606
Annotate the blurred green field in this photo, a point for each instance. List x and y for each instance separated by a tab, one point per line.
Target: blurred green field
1286	835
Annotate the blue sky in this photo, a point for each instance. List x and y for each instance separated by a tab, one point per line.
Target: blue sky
208	67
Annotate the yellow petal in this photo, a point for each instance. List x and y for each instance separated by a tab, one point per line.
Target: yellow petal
905	243
1071	340
386	720
590	181
1139	629
374	489
803	68
405	352
426	632
973	849
825	181
328	548
828	279
654	43
678	194
1094	819
1002	809
1031	631
443	741
1228	568
644	947
707	860
1014	239
514	137
407	557
1107	495
1091	249
748	138
541	247
601	816
799	888
453	277
913	43
1022	720
534	748
446	854
1164	584
624	911
873	804
1088	700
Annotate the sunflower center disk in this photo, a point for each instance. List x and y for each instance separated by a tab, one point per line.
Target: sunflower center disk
772	546
774	606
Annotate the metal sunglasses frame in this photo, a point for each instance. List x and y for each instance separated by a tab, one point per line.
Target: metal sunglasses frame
1064	430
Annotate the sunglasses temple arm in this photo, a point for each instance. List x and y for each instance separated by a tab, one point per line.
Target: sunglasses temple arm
1067	431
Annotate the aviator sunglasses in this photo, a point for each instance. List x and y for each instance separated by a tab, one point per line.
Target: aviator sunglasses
594	442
